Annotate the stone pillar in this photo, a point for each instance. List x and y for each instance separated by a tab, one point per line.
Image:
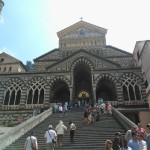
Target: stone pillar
94	95
46	96
143	93
119	94
1	95
71	96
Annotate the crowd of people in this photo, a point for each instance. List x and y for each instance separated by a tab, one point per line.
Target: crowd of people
53	137
135	139
93	113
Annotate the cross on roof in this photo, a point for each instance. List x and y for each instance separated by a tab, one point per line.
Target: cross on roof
81	18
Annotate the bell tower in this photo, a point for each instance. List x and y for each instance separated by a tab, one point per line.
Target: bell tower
82	35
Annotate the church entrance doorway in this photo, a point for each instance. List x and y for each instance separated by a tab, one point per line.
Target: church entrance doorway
82	83
83	98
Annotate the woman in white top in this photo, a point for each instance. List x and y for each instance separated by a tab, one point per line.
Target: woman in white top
60	132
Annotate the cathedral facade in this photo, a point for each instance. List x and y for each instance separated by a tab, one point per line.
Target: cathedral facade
84	68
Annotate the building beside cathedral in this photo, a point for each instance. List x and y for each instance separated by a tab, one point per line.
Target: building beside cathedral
141	56
84	68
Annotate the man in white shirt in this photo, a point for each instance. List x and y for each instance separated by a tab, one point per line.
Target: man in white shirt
31	141
60	109
49	135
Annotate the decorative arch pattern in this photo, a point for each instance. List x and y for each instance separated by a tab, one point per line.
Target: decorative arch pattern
57	79
13	90
36	90
106	76
59	89
106	87
131	87
82	61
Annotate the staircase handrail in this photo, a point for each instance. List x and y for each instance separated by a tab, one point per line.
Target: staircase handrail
123	120
9	137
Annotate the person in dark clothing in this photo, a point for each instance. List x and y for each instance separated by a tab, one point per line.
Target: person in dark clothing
72	129
86	116
117	142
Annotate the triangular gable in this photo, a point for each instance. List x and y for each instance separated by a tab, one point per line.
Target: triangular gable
98	62
8	58
118	51
81	24
46	56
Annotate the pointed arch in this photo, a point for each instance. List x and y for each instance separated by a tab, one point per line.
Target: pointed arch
106	76
12	91
82	80
59	90
36	90
131	85
106	87
59	78
82	60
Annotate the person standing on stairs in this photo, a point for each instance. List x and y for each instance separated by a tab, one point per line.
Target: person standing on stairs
31	141
49	136
141	130
134	143
60	109
117	142
72	128
60	128
108	145
128	134
142	143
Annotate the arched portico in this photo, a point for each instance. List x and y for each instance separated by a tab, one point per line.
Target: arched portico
59	91
82	82
106	89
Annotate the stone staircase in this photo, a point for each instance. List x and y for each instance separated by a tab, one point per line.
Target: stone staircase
87	137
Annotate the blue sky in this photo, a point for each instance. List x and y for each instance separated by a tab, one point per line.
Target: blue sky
28	28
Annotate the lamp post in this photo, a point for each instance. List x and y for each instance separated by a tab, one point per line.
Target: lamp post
1	5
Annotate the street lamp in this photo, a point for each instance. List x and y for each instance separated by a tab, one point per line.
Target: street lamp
1	5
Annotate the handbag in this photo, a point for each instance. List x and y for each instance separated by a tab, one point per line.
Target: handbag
32	145
53	141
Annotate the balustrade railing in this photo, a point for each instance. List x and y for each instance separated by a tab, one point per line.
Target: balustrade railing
130	103
123	120
11	136
113	103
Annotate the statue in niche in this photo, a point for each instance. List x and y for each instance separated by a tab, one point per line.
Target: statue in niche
82	32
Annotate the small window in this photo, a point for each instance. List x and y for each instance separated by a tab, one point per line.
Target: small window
138	55
2	60
10	68
4	69
146	83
